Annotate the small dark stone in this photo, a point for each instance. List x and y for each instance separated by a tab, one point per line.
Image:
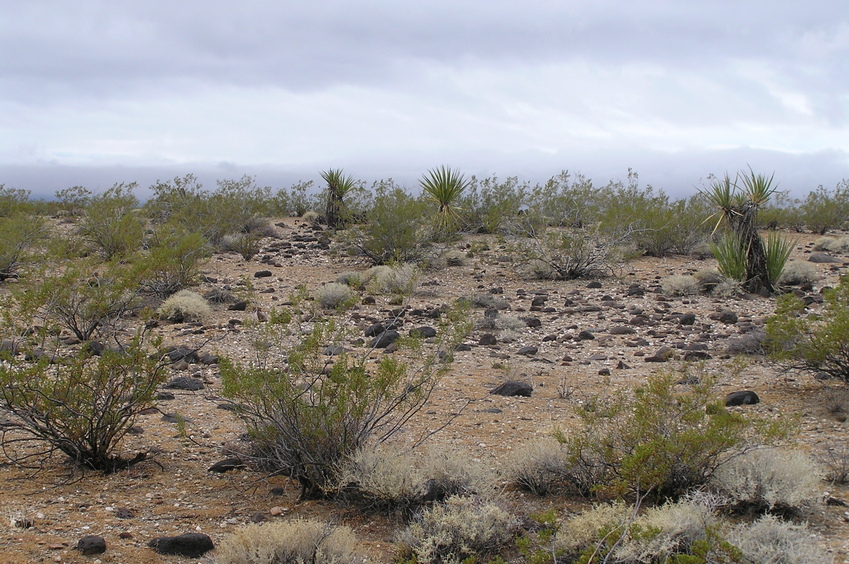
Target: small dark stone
622	366
262	274
384	340
696	355
238	306
333	350
190	545
174	418
164	396
183	353
528	350
124	513
622	330
745	397
594	285
488	339
586	335
277	491
604	372
822	258
725	316
185	383
369	300
91	544
462	347
549	338
423	332
257	517
533	322
538	301
374	330
226	465
687	319
513	388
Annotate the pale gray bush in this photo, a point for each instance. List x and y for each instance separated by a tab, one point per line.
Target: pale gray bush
348	278
185	306
539	466
770	480
680	285
295	541
773	541
832	244
462	527
397	279
334	295
798	272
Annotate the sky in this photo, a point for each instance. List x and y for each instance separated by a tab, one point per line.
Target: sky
93	93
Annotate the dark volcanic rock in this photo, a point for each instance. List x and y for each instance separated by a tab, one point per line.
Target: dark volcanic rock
725	316
822	258
262	274
185	383
91	544
622	330
488	339
190	545
375	330
513	388
226	465
745	397
384	340
423	332
529	350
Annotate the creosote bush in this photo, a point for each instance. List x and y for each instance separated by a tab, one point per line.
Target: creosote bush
309	414
662	442
81	407
297	541
19	236
812	342
566	254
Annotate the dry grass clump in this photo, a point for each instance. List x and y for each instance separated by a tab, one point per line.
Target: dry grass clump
350	278
185	306
311	217
798	272
335	295
245	244
288	542
381	478
399	279
540	467
681	285
461	528
773	541
770	480
832	244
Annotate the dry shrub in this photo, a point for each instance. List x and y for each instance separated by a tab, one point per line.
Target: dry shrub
540	467
397	279
770	480
773	541
184	306
383	478
461	528
288	542
349	278
835	460
798	272
832	244
335	295
682	285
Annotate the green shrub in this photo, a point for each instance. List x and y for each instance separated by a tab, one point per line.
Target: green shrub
661	442
444	187
777	250
74	200
172	261
730	253
297	541
185	306
112	224
460	530
769	480
339	186
19	236
86	299
309	415
82	406
824	210
488	204
815	343
566	254
335	296
394	230
565	200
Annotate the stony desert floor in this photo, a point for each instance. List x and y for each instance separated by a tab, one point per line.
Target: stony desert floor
174	493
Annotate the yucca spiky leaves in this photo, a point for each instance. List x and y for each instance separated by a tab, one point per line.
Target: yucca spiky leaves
444	186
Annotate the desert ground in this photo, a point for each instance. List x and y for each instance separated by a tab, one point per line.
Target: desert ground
47	509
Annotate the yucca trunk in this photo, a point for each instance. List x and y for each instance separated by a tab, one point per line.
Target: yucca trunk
757	275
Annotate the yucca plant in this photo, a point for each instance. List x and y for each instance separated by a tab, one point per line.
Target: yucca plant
444	186
777	250
730	253
339	185
738	203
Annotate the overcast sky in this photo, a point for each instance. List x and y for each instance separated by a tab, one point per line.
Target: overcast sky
95	92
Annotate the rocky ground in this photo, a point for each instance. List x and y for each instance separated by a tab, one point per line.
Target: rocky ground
566	339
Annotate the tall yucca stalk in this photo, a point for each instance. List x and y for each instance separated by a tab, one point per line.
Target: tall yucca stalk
339	185
444	186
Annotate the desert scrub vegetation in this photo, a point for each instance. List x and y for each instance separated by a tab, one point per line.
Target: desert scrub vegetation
335	296
444	186
770	480
310	413
798	273
813	342
383	478
680	285
742	254
82	406
462	529
185	306
20	236
113	225
172	261
339	186
296	541
660	442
